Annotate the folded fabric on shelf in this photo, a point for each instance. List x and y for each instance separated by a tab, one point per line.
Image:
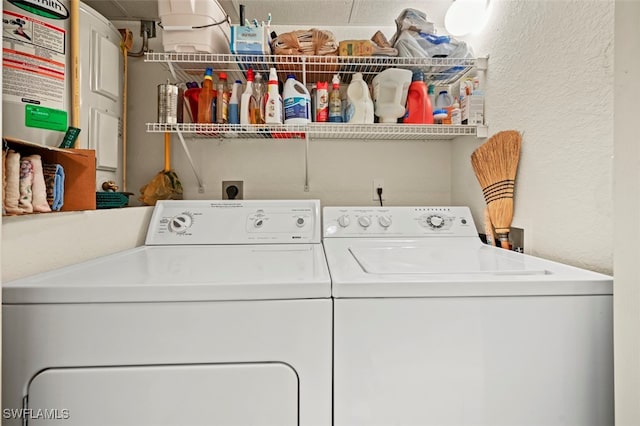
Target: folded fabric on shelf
26	182
39	190
54	182
12	192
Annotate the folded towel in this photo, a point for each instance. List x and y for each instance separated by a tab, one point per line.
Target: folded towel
39	189
54	182
12	194
26	183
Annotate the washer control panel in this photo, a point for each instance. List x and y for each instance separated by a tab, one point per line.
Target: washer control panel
397	222
176	222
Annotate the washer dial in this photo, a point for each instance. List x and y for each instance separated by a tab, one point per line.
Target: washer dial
384	221
364	221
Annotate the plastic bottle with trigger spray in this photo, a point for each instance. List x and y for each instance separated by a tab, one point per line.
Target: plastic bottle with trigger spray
273	104
245	100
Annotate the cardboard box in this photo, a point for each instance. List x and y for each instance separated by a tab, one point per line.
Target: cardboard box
79	171
472	107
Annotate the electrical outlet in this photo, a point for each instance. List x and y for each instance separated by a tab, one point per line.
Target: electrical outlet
232	190
379	183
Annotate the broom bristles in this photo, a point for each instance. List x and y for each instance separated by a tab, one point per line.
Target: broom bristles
495	164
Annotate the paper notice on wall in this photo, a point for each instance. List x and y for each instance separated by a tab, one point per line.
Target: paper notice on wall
33	61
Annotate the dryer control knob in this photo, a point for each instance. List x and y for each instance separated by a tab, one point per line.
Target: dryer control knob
180	223
300	222
364	221
384	221
258	223
344	221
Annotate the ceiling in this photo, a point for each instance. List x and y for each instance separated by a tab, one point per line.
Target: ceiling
290	12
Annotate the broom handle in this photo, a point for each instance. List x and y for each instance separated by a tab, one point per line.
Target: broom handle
488	228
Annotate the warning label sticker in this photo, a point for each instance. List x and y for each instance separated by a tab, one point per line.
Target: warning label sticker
33	61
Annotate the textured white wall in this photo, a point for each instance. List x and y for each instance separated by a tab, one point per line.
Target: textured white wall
551	76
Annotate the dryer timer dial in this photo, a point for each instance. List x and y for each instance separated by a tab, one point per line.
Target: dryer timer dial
180	223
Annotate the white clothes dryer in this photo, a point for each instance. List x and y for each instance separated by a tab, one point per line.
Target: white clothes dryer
432	327
224	317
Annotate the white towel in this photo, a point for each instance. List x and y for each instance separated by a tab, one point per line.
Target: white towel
12	193
39	189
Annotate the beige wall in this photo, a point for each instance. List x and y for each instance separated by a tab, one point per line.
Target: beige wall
627	212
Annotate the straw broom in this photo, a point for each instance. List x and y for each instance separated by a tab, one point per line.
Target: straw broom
495	163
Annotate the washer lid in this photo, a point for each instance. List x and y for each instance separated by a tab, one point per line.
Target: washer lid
446	267
183	273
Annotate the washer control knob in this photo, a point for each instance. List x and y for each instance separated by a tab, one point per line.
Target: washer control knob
300	222
364	221
344	221
258	223
180	223
435	221
384	221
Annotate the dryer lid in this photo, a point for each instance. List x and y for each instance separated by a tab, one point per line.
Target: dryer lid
183	273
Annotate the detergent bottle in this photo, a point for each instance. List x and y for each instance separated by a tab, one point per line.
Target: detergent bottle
359	99
419	108
297	102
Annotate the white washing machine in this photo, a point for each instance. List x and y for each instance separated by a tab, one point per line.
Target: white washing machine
432	327
224	317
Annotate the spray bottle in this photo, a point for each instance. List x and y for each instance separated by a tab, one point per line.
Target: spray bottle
273	104
245	100
335	102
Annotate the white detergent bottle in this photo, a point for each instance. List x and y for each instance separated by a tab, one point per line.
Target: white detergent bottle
359	101
273	103
297	102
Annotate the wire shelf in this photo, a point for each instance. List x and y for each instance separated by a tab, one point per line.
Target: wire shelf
316	131
190	66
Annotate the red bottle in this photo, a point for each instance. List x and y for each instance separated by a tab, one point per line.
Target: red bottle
419	108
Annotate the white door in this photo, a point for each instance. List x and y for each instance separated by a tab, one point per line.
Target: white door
206	394
101	77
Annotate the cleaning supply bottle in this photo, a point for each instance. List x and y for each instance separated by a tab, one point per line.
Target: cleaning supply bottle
273	101
359	99
222	104
205	98
322	101
234	103
456	113
297	102
245	99
432	95
257	110
335	102
419	108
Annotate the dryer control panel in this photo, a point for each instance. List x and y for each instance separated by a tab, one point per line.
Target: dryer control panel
182	222
397	222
